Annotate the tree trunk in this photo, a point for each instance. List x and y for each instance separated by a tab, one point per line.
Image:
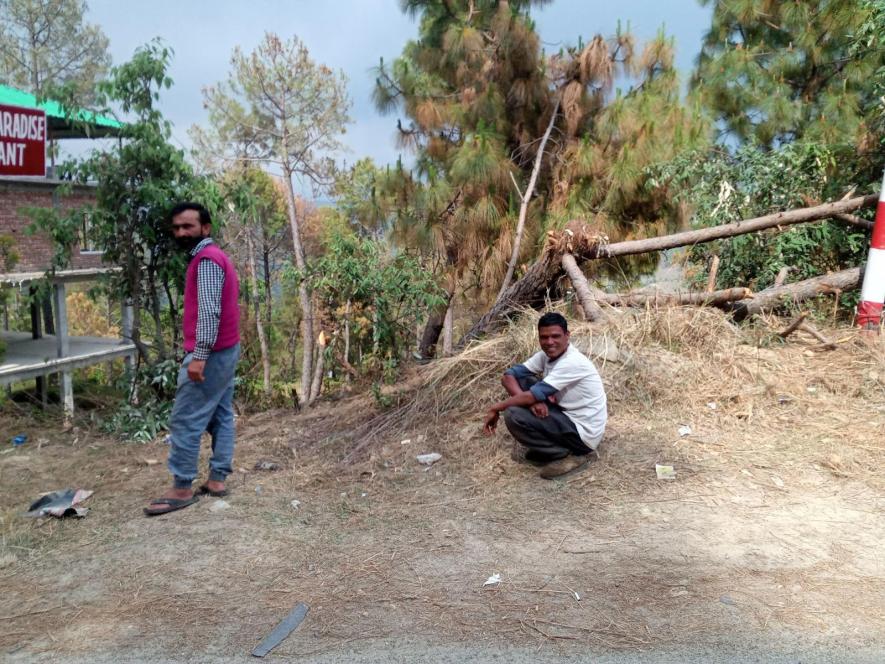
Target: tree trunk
173	315
530	289
591	310
346	362
307	338
317	385
714	272
715	298
527	291
776	297
448	327
156	311
259	324
268	300
788	218
524	205
433	329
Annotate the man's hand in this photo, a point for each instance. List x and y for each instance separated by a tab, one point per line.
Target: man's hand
490	422
195	370
539	409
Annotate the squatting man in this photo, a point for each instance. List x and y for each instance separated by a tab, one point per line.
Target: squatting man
556	410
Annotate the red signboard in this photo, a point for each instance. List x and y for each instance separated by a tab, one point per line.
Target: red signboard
22	141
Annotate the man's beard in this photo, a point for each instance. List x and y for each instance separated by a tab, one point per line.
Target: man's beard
187	243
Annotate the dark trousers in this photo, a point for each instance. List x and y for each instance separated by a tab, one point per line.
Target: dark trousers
554	436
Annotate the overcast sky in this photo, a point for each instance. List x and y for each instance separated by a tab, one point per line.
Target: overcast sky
350	35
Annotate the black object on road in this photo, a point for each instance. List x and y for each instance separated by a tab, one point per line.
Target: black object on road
281	631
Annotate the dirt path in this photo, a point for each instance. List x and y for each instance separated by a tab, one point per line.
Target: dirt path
735	557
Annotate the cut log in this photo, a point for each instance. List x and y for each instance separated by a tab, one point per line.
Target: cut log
716	298
813	331
774	298
854	220
714	270
778	219
531	288
591	310
781	276
792	327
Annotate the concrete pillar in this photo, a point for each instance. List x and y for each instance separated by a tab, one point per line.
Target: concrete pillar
61	336
42	382
127	318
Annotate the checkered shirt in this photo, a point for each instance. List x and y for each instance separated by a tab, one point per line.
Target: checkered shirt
210	280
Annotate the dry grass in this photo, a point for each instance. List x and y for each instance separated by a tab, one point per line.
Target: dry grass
751	516
667	365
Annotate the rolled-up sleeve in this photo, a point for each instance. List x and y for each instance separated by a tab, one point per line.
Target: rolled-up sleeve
542	390
519	371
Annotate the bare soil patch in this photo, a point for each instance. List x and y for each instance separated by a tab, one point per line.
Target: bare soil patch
771	530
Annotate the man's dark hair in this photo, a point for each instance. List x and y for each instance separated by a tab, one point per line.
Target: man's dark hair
205	217
552	318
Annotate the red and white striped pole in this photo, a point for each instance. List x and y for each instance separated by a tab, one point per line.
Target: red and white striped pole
872	294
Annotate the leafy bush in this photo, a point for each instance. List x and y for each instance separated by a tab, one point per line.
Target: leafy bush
720	187
146	414
372	299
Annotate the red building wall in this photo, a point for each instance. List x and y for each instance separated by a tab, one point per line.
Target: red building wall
35	251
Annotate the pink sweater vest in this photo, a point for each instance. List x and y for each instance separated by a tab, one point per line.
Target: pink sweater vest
229	324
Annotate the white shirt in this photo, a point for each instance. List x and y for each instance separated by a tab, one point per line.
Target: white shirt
580	392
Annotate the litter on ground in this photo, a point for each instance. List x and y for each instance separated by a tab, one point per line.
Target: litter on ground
60	504
665	472
429	459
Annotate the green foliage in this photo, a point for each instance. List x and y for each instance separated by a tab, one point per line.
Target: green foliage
137	180
9	257
153	389
869	42
280	107
722	187
380	295
479	93
44	44
776	71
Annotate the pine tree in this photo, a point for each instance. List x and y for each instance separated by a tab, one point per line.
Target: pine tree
775	71
479	96
46	43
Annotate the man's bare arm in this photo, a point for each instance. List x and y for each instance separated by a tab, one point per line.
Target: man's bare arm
511	384
490	421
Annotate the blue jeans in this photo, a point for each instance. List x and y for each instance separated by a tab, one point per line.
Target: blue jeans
199	407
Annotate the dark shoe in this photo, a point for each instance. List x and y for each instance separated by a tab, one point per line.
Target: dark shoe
566	466
166	505
204	489
539	458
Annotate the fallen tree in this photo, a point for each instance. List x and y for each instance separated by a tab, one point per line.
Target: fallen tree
532	288
714	298
587	295
779	296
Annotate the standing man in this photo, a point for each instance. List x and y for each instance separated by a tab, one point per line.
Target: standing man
211	332
557	404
